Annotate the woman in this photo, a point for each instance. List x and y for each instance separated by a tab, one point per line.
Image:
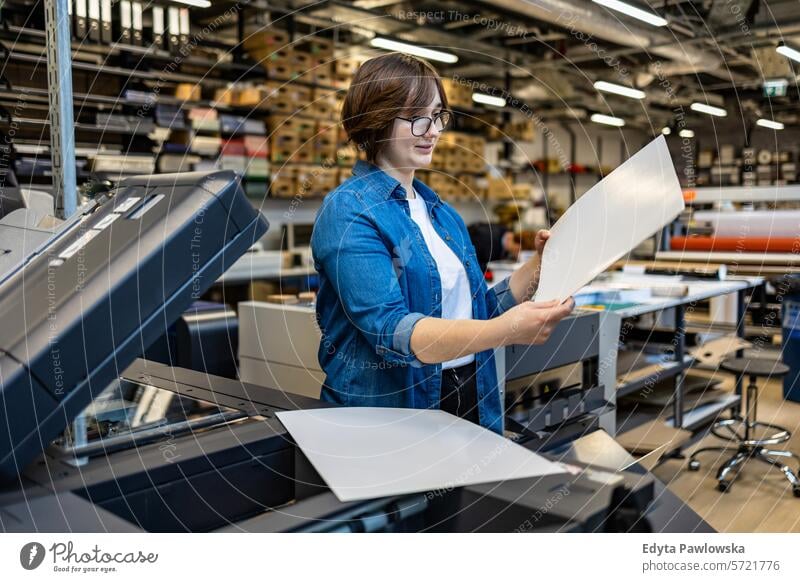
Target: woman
405	314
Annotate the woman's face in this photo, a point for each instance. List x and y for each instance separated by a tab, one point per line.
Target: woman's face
404	150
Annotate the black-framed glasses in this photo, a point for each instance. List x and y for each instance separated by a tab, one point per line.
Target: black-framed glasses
421	125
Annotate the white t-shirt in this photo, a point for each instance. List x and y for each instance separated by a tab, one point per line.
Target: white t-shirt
456	292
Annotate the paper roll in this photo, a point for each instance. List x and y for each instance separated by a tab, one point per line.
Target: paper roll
756	223
764	157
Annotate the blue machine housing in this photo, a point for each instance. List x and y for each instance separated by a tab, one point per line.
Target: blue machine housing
81	307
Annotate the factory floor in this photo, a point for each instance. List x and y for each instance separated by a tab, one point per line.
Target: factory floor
761	498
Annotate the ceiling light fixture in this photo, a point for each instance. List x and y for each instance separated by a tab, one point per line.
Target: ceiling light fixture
770	124
412	49
708	109
485	99
607	120
619	90
195	3
632	11
789	52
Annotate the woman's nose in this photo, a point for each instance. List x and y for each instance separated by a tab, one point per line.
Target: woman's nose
432	131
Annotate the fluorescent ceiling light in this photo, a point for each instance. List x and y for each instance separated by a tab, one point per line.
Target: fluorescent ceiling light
789	52
607	120
665	131
488	99
619	89
768	123
709	109
197	3
412	49
686	133
638	13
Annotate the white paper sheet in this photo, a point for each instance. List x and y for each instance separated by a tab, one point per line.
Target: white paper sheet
363	453
629	205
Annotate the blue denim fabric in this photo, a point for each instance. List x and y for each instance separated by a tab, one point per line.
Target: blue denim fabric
377	280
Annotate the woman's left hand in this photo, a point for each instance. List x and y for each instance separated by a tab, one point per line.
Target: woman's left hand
525	280
539	242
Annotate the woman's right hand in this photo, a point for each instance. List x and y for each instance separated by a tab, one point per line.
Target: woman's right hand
531	323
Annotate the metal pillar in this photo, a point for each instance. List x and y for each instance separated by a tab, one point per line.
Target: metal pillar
59	85
680	352
573	194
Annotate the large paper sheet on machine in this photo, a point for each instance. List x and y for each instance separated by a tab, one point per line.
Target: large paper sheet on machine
629	205
363	453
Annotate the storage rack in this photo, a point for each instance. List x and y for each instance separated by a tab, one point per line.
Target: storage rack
128	103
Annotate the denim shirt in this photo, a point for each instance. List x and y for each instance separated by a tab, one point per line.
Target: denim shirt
377	280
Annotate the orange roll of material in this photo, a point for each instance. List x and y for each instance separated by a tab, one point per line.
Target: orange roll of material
735	244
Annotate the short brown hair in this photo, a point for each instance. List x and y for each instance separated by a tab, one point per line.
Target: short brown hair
383	88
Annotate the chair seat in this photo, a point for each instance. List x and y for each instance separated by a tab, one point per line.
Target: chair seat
755	367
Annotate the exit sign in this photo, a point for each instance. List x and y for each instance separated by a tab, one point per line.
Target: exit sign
775	87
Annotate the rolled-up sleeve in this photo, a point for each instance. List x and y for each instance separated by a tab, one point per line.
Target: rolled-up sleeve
499	298
350	252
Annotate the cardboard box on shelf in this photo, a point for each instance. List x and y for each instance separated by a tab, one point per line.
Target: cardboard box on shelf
278	64
339	97
281	140
523	191
283	183
288	98
346	155
341	81
287	148
458	94
499	189
323	74
522	130
316	181
256	96
225	95
303	65
326	144
323	106
345	66
266	40
452	164
469	187
320	51
344	174
301	128
447	187
319	47
188	91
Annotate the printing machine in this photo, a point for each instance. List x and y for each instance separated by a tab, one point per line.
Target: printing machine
96	440
180	450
